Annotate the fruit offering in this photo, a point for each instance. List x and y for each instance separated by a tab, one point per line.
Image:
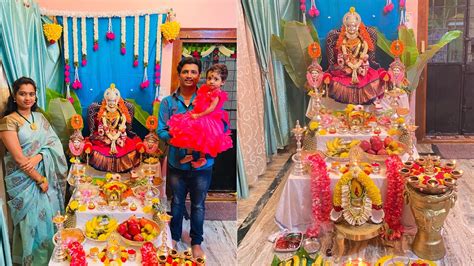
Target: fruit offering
288	242
77	254
100	227
339	148
377	146
138	229
149	257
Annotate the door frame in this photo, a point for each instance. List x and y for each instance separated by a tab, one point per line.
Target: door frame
420	102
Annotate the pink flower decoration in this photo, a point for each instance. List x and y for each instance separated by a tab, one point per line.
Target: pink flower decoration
123	50
402	3
135	63
66	73
302	1
84	62
76	85
71	100
157	74
303	7
313	12
96	46
67	80
67	67
145	84
157	67
110	35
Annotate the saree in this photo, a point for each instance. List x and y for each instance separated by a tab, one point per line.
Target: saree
31	209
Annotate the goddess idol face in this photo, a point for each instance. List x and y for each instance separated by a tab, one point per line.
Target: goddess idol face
352	25
112	97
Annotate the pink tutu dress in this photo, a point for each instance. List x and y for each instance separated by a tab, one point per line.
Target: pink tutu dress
204	134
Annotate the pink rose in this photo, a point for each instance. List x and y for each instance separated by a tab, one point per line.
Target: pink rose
135	63
123	50
96	46
84	62
110	35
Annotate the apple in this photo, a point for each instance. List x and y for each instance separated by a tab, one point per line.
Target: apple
387	141
365	145
127	236
382	152
134	229
138	238
122	229
375	139
377	145
371	151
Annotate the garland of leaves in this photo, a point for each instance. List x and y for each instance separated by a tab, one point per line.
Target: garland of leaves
321	194
394	200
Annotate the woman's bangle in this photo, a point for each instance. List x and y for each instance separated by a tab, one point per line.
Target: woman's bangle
43	180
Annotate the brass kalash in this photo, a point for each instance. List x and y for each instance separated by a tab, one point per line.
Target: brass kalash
430	199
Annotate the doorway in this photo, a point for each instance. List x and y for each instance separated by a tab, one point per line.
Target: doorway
450	74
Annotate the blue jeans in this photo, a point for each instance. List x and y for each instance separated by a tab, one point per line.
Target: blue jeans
196	182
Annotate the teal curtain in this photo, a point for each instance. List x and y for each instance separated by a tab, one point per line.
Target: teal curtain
5	256
242	186
264	18
23	48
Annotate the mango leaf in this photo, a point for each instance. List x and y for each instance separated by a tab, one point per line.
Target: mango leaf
140	114
76	103
414	72
383	43
60	112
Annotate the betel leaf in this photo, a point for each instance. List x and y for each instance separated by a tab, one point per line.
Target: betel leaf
140	114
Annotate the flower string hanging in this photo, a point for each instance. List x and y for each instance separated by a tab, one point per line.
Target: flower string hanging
123	35
77	82
393	207
145	83
313	10
303	10
96	34
135	40
84	41
388	7
402	8
170	29
67	79
158	57
110	35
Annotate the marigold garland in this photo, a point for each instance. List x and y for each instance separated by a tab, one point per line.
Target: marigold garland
373	191
397	47
394	200
321	194
52	31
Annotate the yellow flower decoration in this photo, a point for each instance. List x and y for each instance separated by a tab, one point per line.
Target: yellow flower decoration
400	120
322	132
349	108
313	125
170	30
52	32
393	132
73	205
155	201
147	209
82	208
108	176
373	191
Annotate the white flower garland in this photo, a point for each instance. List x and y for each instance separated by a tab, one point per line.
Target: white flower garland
74	41
66	39
101	14
146	40
123	32
83	38
96	29
135	38
158	39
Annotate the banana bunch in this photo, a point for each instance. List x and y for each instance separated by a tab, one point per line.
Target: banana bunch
302	261
339	148
100	227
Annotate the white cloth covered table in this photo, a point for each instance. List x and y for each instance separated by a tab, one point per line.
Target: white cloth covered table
294	208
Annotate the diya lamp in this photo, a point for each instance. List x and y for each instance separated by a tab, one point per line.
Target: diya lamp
421	161
165	218
188	254
133	207
357	262
408	164
59	254
375	168
124	205
450	165
93	253
201	261
404	172
377	130
162	259
413	180
91	205
456	174
102	204
449	182
355	129
173	253
297	158
332	130
132	254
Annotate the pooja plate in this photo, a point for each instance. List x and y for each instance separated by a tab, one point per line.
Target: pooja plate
69	235
288	242
399	260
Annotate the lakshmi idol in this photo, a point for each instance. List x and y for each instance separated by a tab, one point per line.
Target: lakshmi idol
354	78
113	146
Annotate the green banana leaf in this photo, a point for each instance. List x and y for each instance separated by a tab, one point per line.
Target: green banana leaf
383	43
414	72
410	53
291	50
140	114
275	260
76	103
60	112
52	94
156	108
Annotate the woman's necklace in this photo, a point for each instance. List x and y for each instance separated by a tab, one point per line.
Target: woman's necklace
32	124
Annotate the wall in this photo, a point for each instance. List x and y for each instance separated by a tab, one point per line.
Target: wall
190	13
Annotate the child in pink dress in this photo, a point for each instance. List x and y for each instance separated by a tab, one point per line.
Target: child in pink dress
202	129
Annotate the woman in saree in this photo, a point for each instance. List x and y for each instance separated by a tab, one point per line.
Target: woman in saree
35	175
